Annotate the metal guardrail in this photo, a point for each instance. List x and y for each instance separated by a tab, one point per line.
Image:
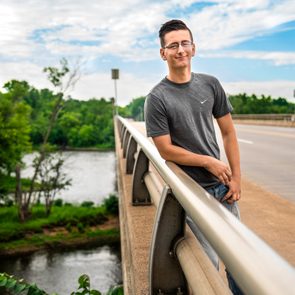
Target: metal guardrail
255	266
268	117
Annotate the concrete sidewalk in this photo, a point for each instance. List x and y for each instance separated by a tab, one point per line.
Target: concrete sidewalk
270	217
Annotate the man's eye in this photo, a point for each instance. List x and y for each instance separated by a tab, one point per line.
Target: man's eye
186	43
173	46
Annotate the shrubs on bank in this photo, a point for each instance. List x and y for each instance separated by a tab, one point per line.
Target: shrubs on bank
111	204
63	215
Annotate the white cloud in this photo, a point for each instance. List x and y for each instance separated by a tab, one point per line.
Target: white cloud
100	85
95	85
21	71
276	57
119	27
223	25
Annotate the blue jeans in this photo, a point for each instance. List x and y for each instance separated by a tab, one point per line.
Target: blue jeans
218	192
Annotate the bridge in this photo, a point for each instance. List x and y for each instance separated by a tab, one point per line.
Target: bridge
160	255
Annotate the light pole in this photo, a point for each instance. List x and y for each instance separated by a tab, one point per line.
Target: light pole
115	77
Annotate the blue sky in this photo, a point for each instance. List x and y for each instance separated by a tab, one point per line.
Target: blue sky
248	45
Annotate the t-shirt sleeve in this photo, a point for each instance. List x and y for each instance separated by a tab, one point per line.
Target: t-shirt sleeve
156	120
222	105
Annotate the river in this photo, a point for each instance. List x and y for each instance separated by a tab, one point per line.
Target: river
93	178
93	175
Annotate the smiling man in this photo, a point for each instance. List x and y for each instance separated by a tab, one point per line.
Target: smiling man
179	115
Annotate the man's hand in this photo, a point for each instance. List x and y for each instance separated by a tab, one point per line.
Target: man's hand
219	169
234	193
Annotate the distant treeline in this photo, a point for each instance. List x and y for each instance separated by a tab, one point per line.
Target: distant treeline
242	104
83	124
245	104
80	123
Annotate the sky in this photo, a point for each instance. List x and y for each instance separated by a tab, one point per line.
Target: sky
249	45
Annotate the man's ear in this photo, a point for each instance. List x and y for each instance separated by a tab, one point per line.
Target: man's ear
194	50
162	53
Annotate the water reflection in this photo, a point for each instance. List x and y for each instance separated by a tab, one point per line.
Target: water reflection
59	272
93	175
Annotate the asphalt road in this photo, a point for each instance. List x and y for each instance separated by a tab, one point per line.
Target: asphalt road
268	157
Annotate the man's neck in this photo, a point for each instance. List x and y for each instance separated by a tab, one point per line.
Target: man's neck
180	76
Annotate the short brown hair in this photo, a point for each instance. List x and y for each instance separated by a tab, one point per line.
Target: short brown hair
172	25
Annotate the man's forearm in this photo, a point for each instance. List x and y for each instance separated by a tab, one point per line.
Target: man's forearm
232	152
182	156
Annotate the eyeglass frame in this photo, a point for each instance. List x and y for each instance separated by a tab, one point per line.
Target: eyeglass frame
178	44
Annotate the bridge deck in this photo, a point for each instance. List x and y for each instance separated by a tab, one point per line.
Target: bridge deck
267	214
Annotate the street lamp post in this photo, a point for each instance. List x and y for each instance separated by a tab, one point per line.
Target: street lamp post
115	77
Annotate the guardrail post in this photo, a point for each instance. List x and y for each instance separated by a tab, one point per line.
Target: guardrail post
131	149
125	142
124	129
124	136
140	193
165	273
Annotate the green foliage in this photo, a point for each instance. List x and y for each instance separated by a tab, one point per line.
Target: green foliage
19	286
55	75
81	227
87	204
12	229
16	286
14	122
112	204
116	290
58	202
8	183
244	104
28	110
134	109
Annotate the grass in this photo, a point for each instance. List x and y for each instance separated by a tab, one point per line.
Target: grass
11	228
67	225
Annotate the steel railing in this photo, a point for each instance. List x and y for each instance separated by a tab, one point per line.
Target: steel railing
265	117
255	266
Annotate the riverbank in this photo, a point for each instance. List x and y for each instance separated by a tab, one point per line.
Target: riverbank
67	226
59	239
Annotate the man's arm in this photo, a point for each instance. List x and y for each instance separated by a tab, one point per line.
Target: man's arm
231	148
181	156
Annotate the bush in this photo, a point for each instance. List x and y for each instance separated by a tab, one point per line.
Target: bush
81	227
87	204
10	233
111	204
58	202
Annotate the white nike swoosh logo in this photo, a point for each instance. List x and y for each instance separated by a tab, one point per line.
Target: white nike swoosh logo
203	101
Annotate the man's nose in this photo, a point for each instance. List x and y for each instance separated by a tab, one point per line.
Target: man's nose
180	48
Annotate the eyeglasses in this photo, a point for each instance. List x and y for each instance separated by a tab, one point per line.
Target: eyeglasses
175	45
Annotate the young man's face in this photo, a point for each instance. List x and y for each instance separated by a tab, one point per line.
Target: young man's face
178	56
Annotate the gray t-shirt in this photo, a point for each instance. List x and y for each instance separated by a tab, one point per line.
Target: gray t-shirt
185	112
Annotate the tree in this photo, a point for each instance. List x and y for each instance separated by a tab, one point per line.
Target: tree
134	109
51	178
64	80
15	128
